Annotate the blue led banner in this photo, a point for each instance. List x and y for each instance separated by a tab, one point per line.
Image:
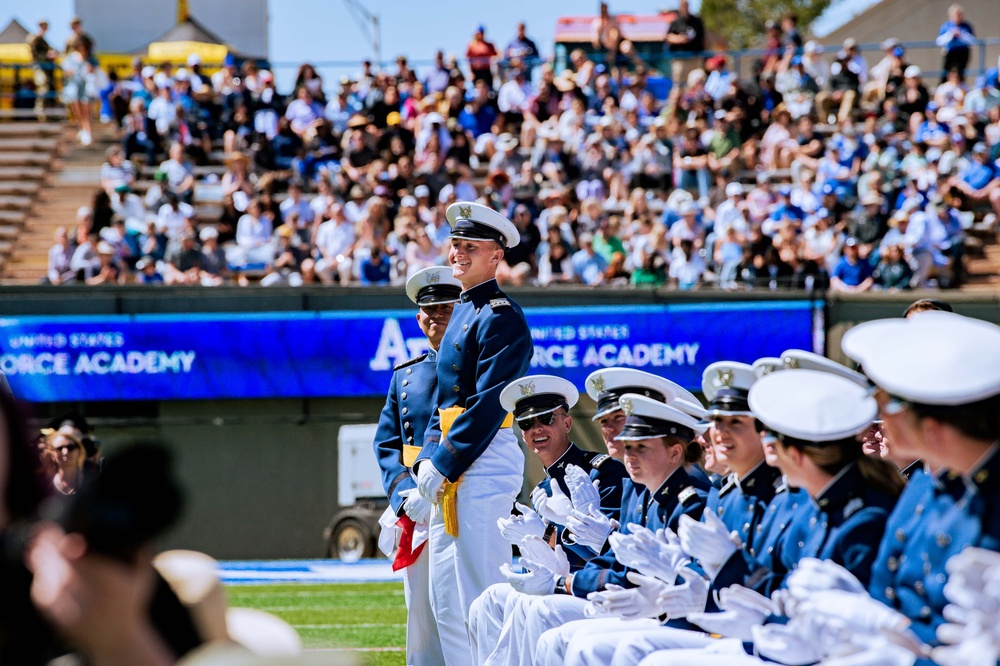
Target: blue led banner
351	354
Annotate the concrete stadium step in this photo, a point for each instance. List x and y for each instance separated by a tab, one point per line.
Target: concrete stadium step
28	144
52	112
12	217
14	202
8	173
24	159
21	188
9	232
31	129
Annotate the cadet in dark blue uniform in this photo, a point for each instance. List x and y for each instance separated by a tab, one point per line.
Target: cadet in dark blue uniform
471	465
408	409
541	404
656	439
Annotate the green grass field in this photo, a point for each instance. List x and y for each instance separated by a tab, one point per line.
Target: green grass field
350	616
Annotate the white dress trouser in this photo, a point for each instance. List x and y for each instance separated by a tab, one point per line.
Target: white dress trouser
423	645
527	619
723	652
462	567
561	645
486	619
632	647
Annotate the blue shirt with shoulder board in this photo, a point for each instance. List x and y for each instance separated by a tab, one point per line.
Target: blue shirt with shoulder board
486	346
845	525
933	521
679	495
601	467
404	418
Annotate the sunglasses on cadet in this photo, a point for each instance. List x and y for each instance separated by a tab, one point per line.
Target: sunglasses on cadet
545	419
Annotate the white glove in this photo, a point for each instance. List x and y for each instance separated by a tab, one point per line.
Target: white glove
676	601
797	643
860	612
709	542
652	553
742	609
554	508
633	603
974	580
590	529
429	481
973	651
516	528
597	601
816	575
539	554
536	580
583	492
883	654
416	507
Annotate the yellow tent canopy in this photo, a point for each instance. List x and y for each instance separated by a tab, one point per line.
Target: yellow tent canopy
14	48
185	38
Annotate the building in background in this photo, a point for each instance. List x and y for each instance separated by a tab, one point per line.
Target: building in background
122	26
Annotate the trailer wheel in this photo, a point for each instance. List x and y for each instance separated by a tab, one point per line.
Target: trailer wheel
351	540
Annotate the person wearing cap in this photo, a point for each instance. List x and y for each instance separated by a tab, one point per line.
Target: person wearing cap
979	182
845	82
877	87
813	418
408	408
540	404
658	440
470	464
43	58
725	144
852	273
945	407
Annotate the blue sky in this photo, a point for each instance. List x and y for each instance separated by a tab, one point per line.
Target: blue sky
325	30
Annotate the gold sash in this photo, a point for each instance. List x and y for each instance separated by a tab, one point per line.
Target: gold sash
449	506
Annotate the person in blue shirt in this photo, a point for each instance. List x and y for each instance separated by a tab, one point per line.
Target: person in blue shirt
587	264
852	273
931	132
408	408
955	37
980	182
470	464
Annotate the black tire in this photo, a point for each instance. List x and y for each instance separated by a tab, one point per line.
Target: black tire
351	541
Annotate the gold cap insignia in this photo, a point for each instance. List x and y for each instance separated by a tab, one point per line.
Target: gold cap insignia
627	406
527	389
433	277
791	363
726	377
465	211
598	384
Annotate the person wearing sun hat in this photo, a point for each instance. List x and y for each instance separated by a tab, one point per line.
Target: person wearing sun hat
656	439
470	464
541	404
408	409
815	418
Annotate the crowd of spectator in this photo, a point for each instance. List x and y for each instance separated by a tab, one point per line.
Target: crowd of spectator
815	171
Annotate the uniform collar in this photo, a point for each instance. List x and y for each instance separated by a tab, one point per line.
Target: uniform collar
762	480
671	486
987	467
481	293
558	468
840	490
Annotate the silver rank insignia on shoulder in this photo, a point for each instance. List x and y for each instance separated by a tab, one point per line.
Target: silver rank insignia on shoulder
627	407
853	507
527	389
465	211
598	383
687	495
499	303
599	460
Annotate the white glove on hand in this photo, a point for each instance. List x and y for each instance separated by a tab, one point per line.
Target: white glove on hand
972	633
634	603
539	554
416	507
978	650
554	508
974	580
709	542
798	642
429	481
815	575
742	609
537	580
590	529
651	553
880	653
860	612
676	601
596	601
583	492
516	528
